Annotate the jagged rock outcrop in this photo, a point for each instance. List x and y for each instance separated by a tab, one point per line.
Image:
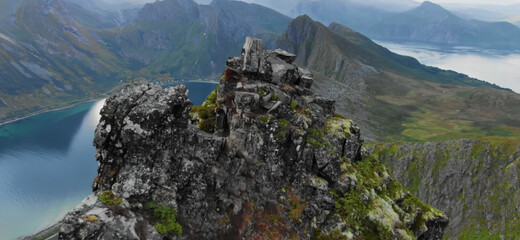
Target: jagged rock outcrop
279	164
476	183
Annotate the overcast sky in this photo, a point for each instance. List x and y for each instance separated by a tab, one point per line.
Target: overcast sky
472	2
491	2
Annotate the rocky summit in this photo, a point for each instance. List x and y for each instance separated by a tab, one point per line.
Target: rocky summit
262	158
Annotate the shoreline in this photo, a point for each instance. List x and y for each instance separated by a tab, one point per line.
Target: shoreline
50	109
92	99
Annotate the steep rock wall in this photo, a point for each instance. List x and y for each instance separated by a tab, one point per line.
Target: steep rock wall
476	183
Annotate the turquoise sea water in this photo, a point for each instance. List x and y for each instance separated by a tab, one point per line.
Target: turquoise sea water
47	164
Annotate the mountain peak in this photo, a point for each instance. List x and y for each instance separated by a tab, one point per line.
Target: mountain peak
219	1
303	18
430	6
169	9
431	12
278	152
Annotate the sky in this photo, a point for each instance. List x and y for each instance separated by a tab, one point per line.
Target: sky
472	2
483	2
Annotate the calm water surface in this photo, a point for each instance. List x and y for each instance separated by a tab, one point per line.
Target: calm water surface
47	164
498	67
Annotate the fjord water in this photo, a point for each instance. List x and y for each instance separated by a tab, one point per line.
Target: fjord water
500	67
47	164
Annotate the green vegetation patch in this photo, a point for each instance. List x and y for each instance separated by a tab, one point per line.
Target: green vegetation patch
206	113
369	207
284	129
262	93
368	172
265	118
110	198
351	207
338	127
294	104
166	219
297	207
315	139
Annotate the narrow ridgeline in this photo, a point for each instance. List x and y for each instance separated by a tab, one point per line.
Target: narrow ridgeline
262	158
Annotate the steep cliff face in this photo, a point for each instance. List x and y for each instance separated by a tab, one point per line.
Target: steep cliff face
477	184
278	164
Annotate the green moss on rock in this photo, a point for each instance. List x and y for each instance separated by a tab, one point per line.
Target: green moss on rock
166	219
284	129
377	207
110	198
338	127
315	139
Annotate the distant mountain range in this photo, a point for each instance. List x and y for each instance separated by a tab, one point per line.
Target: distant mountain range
408	21
357	14
488	12
430	23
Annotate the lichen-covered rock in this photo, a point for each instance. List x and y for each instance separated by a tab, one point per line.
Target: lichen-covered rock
279	164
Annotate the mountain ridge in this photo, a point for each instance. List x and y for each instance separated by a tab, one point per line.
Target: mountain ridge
395	95
430	23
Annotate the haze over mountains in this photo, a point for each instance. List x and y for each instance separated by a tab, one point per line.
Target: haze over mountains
410	21
431	23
